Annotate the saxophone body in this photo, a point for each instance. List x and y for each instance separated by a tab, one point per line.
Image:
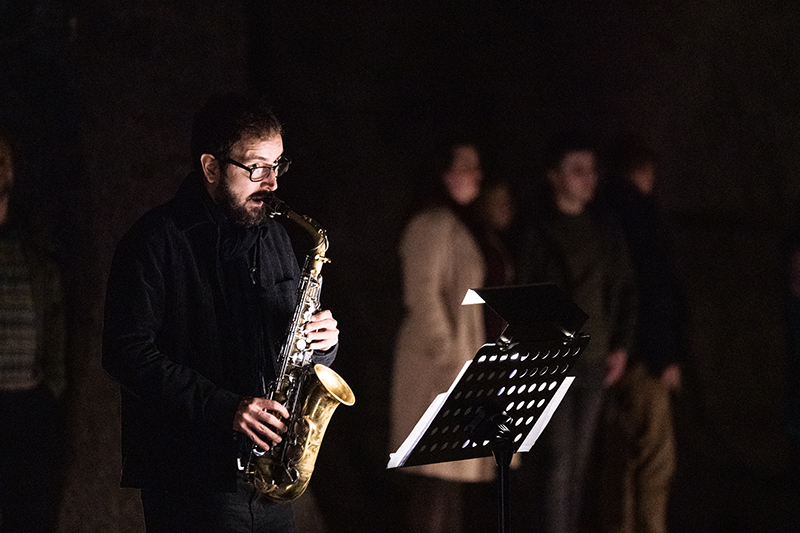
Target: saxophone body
309	392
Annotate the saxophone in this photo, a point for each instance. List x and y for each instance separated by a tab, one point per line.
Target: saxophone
310	394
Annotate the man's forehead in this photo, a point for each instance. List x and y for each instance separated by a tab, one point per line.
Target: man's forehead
255	144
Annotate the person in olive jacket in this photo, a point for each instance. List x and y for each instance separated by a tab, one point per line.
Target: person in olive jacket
570	243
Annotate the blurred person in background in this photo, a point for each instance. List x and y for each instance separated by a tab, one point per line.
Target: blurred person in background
635	456
630	194
569	242
32	367
447	248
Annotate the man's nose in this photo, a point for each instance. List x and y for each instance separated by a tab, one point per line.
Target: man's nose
270	183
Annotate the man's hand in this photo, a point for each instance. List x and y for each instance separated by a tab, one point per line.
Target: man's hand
321	331
256	418
616	362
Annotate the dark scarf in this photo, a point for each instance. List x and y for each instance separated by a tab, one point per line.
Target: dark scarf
239	256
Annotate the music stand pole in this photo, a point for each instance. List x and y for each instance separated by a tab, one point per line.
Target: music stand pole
503	451
496	428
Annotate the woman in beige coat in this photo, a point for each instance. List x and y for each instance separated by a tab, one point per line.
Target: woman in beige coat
444	251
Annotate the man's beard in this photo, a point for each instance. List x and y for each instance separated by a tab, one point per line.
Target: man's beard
239	214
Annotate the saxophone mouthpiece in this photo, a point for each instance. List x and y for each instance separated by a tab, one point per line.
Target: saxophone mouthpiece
276	207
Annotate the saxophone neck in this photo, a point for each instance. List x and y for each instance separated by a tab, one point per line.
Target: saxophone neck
316	257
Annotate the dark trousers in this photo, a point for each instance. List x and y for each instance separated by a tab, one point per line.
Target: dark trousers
32	440
569	437
440	506
243	511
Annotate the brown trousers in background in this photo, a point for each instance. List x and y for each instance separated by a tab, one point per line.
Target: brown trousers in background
636	456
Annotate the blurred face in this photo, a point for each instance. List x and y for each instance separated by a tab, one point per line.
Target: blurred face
463	179
6	170
644	179
246	202
574	181
499	207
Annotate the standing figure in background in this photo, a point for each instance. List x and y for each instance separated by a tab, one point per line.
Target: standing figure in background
571	244
636	443
496	205
497	208
32	369
630	168
445	249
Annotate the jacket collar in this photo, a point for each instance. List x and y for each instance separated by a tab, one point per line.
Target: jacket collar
196	209
192	203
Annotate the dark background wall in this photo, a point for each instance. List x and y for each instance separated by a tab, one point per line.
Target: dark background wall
101	95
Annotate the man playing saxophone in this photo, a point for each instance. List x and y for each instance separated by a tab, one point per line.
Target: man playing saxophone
200	294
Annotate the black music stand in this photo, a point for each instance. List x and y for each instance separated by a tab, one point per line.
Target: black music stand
504	397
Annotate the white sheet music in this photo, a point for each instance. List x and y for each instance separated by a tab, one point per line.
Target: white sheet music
399	457
544	419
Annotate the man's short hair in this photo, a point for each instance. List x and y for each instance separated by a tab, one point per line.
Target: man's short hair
566	143
225	119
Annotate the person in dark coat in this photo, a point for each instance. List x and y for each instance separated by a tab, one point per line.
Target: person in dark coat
200	294
33	376
630	194
636	442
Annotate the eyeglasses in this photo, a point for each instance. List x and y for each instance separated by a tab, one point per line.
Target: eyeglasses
260	173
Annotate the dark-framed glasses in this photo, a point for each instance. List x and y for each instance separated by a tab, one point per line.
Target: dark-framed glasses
260	173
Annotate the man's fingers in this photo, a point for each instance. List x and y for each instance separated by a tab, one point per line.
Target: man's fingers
321	321
258	440
268	408
268	420
264	433
260	419
322	330
322	315
268	433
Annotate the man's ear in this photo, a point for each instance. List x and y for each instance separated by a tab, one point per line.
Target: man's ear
211	168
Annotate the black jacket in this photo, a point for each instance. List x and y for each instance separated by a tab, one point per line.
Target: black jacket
186	327
659	341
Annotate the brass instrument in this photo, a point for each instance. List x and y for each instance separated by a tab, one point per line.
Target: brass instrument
309	394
